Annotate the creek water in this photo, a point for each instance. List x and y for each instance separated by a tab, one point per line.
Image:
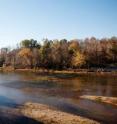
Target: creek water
61	91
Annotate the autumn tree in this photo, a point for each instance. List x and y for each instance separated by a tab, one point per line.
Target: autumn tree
113	49
27	55
45	52
30	44
78	60
63	54
30	52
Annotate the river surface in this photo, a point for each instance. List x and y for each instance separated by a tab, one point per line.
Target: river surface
61	91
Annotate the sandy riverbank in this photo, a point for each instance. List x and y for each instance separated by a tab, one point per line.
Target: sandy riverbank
108	100
49	115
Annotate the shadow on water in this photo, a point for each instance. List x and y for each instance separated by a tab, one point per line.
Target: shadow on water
96	112
7	102
7	116
17	120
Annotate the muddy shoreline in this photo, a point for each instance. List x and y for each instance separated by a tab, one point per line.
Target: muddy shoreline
72	72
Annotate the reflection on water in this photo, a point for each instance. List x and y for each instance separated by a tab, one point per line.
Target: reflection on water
61	91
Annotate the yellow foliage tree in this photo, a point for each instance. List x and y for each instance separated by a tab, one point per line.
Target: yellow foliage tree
27	54
78	59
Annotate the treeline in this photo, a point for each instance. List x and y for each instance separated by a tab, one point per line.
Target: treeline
62	54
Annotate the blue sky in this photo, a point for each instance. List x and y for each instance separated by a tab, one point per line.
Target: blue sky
56	19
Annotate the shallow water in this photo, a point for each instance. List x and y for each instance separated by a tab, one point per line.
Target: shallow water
61	91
